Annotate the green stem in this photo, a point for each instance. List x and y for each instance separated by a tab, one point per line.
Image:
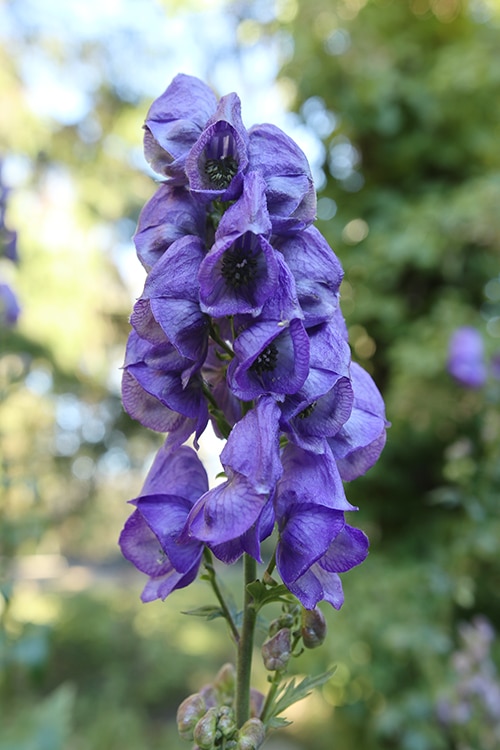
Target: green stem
275	683
245	646
219	595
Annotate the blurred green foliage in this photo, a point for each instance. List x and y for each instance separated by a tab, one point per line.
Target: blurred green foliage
402	99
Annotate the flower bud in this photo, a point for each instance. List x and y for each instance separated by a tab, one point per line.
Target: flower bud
313	628
209	695
276	650
224	683
189	713
252	735
226	724
256	702
205	730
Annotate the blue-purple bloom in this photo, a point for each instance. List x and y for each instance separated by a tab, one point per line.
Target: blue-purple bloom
239	323
466	359
9	306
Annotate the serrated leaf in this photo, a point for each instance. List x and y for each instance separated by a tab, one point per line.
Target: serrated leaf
292	692
262	595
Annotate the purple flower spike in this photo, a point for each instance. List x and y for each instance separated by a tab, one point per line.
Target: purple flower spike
291	197
466	357
174	123
150	538
241	271
218	160
170	214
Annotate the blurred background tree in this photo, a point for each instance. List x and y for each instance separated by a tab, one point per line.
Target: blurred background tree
397	104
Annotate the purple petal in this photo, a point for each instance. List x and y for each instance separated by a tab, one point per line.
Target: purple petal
179	473
349	548
162	586
306	532
141	546
170	214
291	196
226	511
309	478
166	516
317	585
174	123
317	272
252	448
357	446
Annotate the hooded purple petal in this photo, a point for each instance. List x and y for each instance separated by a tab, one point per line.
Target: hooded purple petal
349	548
180	473
173	293
317	272
251	461
358	444
318	585
306	532
291	196
174	123
170	214
309	478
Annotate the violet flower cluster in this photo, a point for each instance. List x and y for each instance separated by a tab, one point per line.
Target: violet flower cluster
470	711
239	324
9	306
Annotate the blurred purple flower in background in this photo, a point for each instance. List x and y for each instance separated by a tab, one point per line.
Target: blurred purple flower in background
466	357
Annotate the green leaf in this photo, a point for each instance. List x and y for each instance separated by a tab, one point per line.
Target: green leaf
262	595
292	692
278	723
209	612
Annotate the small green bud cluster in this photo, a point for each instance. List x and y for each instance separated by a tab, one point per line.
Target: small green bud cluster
208	719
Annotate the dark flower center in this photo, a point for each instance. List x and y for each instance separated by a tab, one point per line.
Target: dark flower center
307	411
221	171
266	361
239	267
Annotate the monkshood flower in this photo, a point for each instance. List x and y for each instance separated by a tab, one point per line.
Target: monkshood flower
239	323
162	390
150	536
466	359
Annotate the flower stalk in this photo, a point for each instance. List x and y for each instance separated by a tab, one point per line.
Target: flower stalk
245	645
